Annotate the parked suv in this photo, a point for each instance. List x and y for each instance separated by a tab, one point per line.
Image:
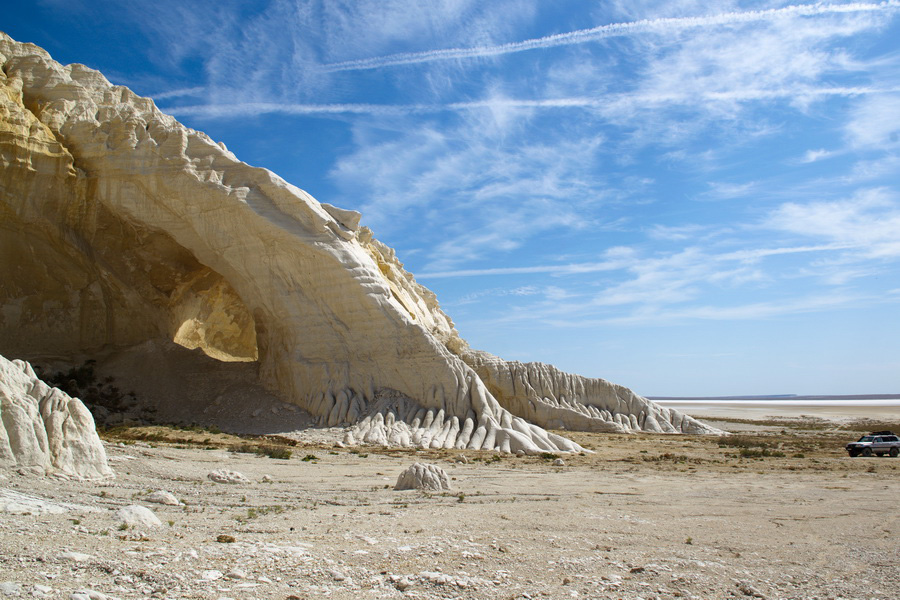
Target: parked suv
878	442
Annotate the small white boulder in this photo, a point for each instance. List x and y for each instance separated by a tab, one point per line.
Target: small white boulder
422	476
226	476
136	515
163	497
10	588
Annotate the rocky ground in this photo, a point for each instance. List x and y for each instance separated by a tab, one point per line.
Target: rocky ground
776	511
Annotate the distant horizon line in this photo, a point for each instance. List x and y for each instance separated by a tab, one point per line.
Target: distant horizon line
781	397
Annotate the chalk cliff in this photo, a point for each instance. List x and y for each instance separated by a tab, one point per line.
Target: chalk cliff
120	225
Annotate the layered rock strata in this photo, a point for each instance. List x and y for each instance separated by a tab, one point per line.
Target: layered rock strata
120	225
43	430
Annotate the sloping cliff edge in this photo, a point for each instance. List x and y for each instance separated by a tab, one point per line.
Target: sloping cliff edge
119	225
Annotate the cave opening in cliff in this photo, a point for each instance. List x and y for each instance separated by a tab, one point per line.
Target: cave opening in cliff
211	316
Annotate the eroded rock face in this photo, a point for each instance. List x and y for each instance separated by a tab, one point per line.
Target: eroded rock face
43	430
120	226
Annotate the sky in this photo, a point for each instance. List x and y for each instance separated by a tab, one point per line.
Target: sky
687	198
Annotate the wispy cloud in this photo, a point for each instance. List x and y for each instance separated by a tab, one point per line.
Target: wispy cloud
875	123
565	269
755	311
550	292
661	25
867	222
722	190
812	156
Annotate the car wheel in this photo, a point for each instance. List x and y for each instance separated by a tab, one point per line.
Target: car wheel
867	452
854	453
894	452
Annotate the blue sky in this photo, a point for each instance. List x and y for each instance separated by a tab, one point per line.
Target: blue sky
684	197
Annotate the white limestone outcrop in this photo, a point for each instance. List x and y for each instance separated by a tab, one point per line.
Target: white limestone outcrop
553	399
43	430
120	226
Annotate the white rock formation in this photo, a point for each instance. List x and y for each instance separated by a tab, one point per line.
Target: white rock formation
420	476
45	431
128	227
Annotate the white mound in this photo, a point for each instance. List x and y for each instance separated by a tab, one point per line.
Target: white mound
421	476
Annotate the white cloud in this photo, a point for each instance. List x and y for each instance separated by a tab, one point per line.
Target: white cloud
812	156
483	185
548	292
867	170
867	222
721	190
677	233
875	123
739	312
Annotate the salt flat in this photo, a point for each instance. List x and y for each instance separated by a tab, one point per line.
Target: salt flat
831	410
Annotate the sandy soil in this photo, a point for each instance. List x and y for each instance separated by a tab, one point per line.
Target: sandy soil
645	516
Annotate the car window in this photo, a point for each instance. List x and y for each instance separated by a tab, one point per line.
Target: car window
867	438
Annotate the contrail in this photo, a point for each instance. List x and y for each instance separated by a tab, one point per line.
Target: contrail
244	109
260	108
605	31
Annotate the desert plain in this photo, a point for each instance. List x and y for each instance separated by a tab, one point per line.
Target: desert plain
774	510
